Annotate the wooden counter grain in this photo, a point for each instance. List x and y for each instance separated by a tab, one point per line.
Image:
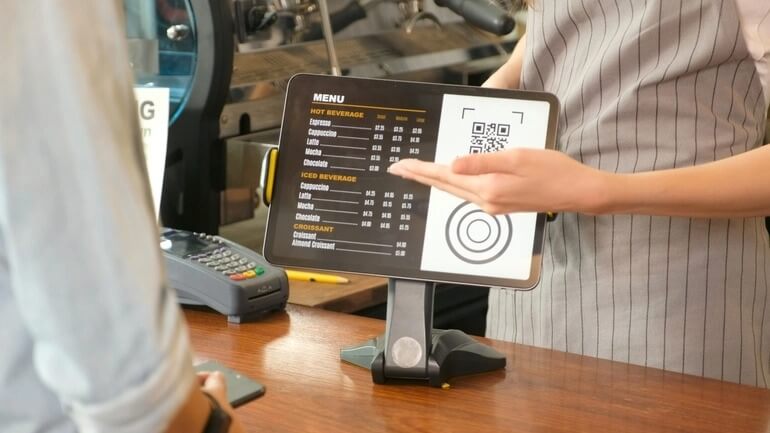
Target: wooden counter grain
361	292
296	355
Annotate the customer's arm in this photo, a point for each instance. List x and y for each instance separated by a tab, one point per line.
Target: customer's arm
76	216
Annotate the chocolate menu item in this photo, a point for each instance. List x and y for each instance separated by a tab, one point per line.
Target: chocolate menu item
335	207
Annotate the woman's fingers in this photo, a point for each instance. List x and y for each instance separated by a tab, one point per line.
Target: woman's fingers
485	163
438	176
425	169
408	168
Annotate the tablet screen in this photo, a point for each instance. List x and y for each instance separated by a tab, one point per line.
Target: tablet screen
336	208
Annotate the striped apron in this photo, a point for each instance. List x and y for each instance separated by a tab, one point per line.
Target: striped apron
648	85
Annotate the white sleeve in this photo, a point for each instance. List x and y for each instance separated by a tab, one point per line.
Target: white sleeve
76	215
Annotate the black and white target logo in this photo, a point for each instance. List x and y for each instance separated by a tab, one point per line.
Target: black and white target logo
476	237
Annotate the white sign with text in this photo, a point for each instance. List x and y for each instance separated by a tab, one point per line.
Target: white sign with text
153	105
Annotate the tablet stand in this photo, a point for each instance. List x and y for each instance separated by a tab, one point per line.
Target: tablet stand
411	350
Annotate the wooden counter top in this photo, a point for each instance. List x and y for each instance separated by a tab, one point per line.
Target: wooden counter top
296	355
361	292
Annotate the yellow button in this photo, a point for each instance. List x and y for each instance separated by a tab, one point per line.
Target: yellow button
249	274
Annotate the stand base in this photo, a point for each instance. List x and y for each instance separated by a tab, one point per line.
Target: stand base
453	353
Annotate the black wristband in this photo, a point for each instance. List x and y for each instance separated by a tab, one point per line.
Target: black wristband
219	420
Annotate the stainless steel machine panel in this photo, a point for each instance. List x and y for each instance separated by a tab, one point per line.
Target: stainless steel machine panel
259	78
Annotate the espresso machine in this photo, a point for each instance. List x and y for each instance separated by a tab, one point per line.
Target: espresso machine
227	62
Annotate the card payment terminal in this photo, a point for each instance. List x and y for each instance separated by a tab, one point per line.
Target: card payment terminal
231	279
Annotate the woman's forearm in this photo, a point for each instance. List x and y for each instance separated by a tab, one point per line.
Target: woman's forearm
738	186
508	76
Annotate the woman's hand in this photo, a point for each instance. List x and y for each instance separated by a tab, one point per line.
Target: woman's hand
515	180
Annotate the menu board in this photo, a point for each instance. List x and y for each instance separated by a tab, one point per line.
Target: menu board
336	208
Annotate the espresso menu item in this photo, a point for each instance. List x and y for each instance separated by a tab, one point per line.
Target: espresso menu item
335	207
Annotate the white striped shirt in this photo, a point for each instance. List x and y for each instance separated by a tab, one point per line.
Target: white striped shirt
650	85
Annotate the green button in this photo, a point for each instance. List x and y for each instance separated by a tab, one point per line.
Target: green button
259	270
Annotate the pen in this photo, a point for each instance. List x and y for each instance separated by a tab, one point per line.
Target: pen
315	277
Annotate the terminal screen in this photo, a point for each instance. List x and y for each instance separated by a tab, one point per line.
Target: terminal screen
335	207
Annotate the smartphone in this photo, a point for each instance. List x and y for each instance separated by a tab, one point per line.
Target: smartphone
240	389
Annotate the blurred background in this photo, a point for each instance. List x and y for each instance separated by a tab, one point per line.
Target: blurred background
227	64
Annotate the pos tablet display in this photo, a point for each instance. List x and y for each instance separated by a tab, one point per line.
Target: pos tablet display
335	207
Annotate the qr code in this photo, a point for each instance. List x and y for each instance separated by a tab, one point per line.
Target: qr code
489	137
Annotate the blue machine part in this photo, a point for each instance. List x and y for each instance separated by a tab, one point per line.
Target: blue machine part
163	47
